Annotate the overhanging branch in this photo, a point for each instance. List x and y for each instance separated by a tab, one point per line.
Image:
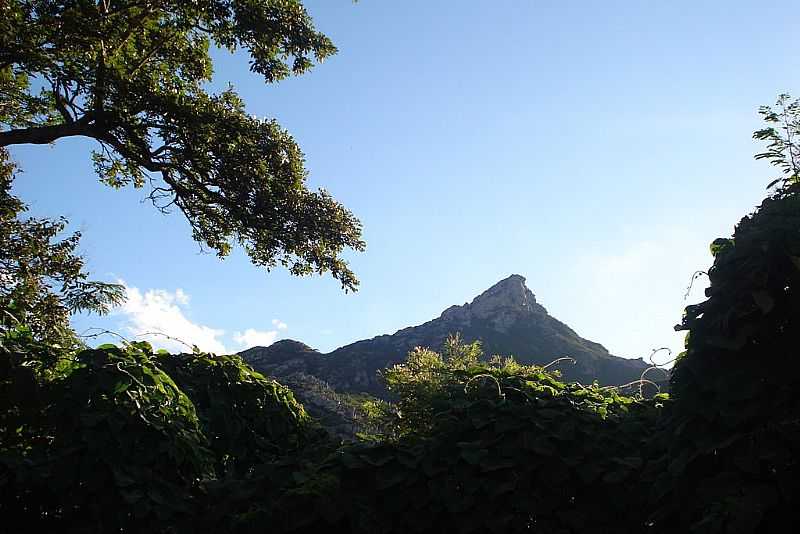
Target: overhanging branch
42	135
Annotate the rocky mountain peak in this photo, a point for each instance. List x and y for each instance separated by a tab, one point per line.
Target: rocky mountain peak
508	293
506	319
500	305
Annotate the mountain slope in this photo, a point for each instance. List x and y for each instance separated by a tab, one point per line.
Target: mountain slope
505	317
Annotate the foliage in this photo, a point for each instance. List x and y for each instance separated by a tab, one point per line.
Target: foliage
20	399
783	145
246	418
734	434
373	418
116	446
429	382
509	448
42	279
344	415
115	443
132	76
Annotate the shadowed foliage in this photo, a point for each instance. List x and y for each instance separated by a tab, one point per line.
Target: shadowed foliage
475	447
246	418
732	463
112	442
115	445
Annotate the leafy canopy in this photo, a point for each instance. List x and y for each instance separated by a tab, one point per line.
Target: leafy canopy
124	440
132	75
429	384
782	136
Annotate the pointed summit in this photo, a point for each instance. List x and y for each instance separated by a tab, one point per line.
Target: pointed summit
505	318
510	293
500	306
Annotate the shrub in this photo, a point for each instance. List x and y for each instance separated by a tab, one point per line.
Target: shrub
117	446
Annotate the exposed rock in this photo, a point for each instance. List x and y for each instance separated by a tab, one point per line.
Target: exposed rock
501	306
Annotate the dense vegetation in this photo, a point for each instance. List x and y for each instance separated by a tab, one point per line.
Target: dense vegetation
476	446
112	442
734	435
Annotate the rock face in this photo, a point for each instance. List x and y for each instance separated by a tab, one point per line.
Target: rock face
500	306
506	318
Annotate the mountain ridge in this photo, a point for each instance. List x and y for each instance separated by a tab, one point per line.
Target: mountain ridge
506	318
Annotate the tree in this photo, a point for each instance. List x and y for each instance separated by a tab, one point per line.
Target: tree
43	279
131	75
427	382
783	140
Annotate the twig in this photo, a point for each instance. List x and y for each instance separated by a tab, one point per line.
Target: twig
102	332
573	360
156	333
656	351
485	375
695	276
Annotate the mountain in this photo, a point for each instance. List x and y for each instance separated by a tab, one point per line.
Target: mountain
506	318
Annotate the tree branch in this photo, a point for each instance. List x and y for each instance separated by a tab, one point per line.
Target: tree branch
61	101
43	135
136	24
152	52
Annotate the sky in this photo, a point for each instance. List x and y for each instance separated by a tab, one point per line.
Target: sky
595	148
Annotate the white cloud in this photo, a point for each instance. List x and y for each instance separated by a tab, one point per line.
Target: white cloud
159	316
163	312
181	297
255	338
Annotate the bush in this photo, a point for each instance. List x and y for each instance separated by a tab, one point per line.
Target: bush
506	448
734	436
117	446
246	417
113	443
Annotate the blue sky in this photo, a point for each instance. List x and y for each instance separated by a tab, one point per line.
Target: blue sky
596	148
